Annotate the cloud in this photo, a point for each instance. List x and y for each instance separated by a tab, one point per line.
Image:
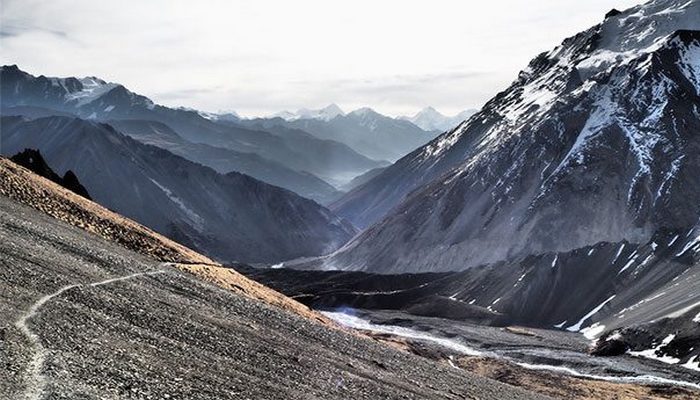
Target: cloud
261	56
181	94
9	30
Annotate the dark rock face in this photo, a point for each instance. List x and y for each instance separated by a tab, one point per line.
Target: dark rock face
32	160
612	13
229	217
609	347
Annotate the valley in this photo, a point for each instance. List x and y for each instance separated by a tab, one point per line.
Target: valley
544	244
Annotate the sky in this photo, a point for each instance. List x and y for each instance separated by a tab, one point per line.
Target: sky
259	57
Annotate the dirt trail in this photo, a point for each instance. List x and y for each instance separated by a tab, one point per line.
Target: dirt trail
36	381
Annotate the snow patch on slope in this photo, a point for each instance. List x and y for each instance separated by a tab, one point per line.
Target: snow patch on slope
354	322
192	215
577	326
653	352
92	89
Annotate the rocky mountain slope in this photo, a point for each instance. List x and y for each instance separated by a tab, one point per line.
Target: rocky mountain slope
228	217
570	201
92	98
595	141
643	292
230	344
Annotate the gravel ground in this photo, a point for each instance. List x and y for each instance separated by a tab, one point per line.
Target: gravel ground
171	336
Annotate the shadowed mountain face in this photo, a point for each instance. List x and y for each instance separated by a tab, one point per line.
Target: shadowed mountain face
225	160
584	147
331	160
92	98
229	217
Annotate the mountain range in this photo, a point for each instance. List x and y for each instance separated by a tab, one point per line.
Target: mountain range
564	158
324	114
226	216
286	160
366	131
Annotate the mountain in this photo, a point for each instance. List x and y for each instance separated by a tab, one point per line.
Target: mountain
225	160
92	98
32	160
324	114
366	131
430	119
588	139
229	217
572	198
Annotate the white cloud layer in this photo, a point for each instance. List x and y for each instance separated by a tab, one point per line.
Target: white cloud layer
262	56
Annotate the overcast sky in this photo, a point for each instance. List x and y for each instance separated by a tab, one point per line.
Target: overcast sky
261	56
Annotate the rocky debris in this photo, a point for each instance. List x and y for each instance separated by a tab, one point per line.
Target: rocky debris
32	160
516	355
171	335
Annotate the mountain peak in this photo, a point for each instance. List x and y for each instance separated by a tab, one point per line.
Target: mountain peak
333	109
12	67
612	13
430	119
363	111
324	114
429	111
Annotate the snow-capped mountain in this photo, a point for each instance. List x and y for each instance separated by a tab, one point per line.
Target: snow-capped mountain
595	141
90	97
324	114
430	119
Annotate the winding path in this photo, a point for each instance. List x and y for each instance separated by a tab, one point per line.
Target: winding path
36	381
